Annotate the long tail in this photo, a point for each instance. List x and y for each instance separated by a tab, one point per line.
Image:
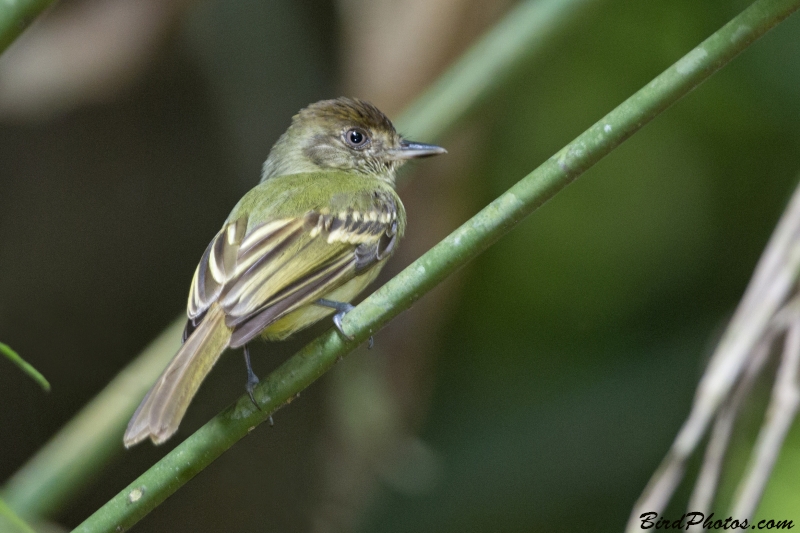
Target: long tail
163	407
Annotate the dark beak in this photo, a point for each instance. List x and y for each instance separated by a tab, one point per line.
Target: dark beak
412	150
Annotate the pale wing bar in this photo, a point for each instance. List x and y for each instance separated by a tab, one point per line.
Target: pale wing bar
237	271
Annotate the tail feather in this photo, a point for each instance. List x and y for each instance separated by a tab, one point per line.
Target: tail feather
162	409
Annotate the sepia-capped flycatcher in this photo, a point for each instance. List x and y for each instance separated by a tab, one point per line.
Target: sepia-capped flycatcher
296	248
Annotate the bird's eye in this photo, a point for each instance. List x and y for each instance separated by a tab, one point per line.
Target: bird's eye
356	138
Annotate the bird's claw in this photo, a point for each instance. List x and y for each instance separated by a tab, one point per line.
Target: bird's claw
342	308
337	321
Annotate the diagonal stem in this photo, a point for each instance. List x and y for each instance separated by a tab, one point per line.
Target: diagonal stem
705	488
477	234
16	16
780	415
523	32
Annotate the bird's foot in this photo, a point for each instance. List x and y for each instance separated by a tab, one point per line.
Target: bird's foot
342	308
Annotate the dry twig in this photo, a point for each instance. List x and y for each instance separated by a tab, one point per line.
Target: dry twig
769	308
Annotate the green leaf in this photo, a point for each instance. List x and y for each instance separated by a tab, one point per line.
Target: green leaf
26	367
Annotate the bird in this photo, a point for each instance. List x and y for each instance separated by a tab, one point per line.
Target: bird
298	247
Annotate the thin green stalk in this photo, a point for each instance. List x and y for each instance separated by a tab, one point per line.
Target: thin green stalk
47	480
205	445
8	518
26	367
16	15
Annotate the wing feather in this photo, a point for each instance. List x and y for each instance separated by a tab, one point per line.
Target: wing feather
302	292
259	274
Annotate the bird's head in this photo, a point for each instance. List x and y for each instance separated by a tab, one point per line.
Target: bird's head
343	134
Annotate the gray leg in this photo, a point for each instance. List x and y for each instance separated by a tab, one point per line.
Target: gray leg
252	379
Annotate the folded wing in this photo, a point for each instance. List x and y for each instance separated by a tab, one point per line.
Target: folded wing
260	274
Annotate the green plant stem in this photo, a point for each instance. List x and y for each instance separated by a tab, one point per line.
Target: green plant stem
15	16
45	482
24	366
487	65
8	518
205	445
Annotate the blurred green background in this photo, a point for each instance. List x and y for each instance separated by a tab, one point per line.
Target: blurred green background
536	390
